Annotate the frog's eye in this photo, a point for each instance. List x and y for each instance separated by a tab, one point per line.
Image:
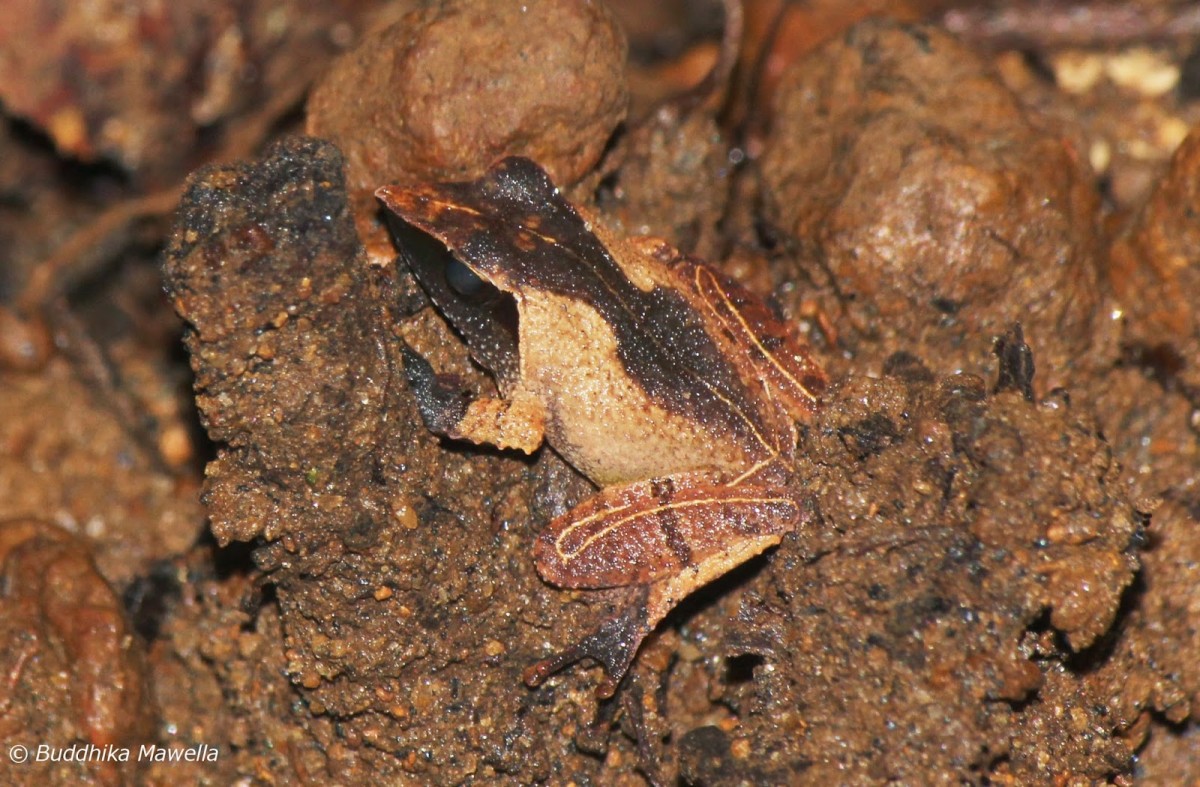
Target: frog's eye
465	281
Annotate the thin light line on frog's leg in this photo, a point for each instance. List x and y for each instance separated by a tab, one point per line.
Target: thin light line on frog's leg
745	418
567	557
724	317
764	463
602	513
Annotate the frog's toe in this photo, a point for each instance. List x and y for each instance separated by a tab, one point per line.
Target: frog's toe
613	646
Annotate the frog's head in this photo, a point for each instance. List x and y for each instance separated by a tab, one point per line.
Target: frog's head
449	247
480	247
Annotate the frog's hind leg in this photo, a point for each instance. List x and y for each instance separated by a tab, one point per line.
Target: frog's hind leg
615	643
663	538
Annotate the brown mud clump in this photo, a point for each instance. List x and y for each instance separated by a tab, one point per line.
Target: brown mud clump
452	86
932	207
257	546
976	547
76	671
390	594
1155	269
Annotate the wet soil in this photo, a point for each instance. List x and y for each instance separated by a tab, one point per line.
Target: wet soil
250	540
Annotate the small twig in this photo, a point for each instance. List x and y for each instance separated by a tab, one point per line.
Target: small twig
43	302
1053	23
716	81
102	239
14	677
713	87
91	364
91	247
751	127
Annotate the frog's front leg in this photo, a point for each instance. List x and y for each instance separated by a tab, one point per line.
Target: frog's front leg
516	422
668	536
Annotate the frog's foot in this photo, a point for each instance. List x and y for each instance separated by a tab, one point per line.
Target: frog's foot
613	646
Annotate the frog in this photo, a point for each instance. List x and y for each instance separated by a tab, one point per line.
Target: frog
676	391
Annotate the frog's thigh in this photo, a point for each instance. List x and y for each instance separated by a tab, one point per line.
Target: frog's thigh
677	532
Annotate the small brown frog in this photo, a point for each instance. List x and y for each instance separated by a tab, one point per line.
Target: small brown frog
672	388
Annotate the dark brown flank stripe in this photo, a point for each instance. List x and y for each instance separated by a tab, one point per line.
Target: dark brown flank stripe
660	339
668	522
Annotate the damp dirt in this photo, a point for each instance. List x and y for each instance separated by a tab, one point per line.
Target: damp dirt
249	540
